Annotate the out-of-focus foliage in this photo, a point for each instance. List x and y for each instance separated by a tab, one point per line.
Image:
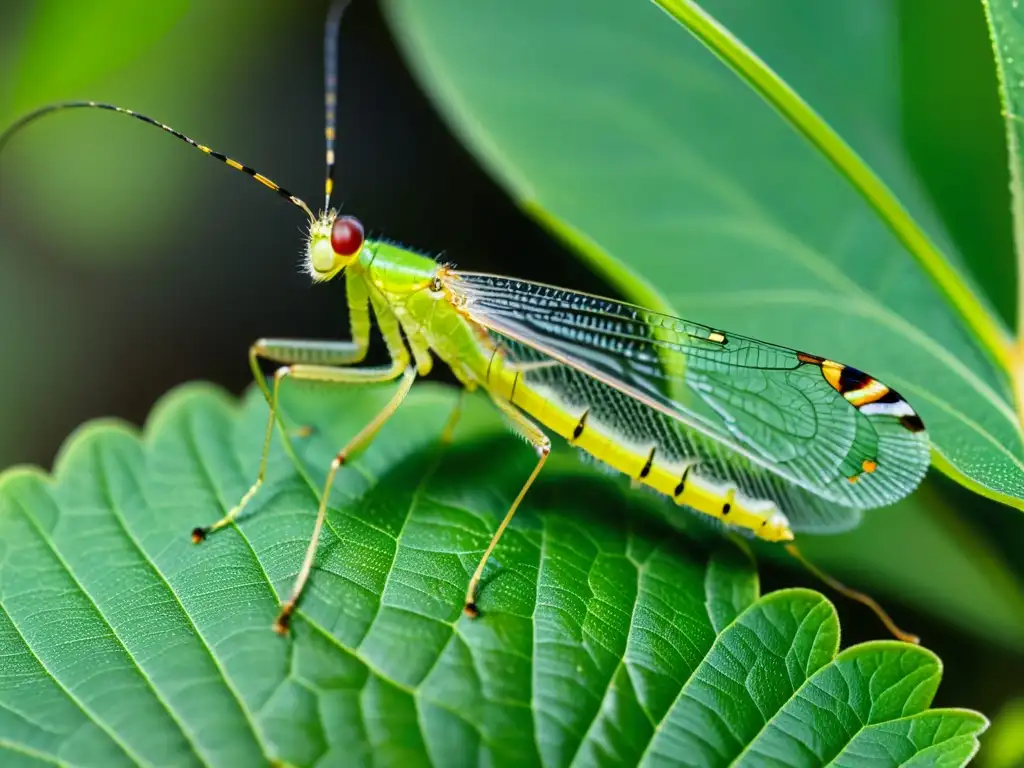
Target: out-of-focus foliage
170	47
947	103
1004	746
65	47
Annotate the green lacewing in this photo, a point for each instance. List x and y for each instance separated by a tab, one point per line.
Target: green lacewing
763	438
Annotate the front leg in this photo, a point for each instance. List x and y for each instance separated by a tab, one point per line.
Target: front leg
309	360
354	446
301	351
331	353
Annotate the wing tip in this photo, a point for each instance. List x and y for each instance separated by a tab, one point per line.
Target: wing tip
866	393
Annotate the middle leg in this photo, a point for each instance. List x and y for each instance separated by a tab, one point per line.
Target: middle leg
323	373
533	434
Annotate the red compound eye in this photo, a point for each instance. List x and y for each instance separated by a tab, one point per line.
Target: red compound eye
347	236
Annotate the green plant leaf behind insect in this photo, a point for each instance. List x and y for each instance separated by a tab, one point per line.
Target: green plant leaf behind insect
946	68
688	190
1006	26
605	638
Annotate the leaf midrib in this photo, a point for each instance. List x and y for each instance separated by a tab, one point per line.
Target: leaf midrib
1014	160
668	140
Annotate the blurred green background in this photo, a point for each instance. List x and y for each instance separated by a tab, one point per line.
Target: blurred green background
130	264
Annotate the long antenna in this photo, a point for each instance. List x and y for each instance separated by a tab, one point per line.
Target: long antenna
33	116
332	31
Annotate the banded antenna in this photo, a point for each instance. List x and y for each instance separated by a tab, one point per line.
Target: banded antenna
35	115
332	33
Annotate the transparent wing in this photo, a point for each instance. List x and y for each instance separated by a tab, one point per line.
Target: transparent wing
750	412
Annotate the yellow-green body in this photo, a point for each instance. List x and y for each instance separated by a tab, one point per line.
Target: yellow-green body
413	295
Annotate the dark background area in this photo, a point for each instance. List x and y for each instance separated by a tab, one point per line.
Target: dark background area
130	263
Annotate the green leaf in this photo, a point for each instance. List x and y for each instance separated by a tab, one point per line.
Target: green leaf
604	639
945	58
686	188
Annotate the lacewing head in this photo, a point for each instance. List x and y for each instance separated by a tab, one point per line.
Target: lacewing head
334	243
